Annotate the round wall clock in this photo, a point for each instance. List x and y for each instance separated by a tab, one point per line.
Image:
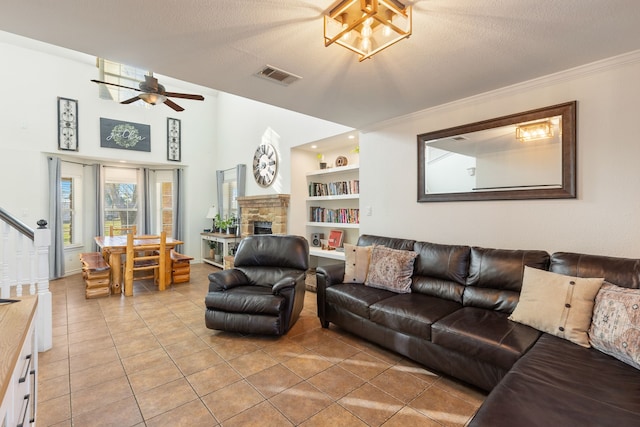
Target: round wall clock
265	165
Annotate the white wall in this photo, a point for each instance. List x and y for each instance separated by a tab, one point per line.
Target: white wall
242	123
218	133
603	219
34	74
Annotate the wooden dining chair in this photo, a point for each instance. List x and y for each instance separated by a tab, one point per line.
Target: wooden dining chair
119	231
145	253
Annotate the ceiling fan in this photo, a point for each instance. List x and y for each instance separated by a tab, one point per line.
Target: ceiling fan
154	93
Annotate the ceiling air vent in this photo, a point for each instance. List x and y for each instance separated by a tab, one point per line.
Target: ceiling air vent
277	75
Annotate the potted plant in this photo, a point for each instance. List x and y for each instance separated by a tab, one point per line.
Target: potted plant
219	224
232	225
323	164
214	251
213	246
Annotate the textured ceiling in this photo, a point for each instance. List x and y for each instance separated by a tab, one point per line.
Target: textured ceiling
458	48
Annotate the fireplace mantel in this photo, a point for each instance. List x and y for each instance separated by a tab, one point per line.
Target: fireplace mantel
271	207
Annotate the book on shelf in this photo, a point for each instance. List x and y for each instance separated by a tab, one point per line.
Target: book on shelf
340	216
336	188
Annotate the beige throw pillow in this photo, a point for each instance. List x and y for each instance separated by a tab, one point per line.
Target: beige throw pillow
356	263
557	304
615	329
391	269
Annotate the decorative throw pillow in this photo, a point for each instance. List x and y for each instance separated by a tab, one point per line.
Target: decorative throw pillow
557	304
391	269
356	263
615	329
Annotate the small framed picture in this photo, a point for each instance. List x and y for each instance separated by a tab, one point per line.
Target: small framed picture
173	139
67	124
335	239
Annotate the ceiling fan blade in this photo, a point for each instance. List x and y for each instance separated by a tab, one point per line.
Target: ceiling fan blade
184	96
114	84
173	105
130	100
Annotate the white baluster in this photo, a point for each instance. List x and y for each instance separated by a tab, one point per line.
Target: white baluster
19	262
5	287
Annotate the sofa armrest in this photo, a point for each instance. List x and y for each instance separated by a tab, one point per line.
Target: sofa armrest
226	279
292	288
287	282
329	275
326	276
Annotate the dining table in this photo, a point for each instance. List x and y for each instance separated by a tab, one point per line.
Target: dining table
113	247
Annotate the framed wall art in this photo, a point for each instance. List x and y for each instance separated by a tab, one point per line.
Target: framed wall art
173	139
335	239
124	135
67	124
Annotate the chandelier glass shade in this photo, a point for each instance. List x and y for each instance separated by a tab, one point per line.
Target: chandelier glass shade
152	98
536	130
367	26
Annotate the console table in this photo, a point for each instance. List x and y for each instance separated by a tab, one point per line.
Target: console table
228	241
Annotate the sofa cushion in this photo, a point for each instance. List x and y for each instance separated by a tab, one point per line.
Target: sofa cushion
389	242
391	269
484	334
440	270
412	314
356	262
615	328
621	271
558	383
495	277
355	298
558	304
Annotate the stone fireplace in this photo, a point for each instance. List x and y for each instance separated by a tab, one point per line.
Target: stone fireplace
270	208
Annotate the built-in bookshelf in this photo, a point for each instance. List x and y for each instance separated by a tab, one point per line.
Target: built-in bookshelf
332	203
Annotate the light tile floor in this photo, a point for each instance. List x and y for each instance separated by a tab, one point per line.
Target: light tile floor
149	360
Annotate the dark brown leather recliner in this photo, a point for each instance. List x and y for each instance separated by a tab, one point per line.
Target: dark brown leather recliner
264	292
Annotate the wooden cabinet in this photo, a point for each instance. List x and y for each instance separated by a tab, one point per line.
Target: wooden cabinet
18	362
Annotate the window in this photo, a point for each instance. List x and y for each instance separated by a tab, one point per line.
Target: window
71	203
120	74
121	199
68	229
164	193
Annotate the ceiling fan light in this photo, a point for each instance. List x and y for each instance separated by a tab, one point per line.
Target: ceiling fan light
152	98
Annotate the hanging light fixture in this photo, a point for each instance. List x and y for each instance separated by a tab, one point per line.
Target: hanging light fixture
536	130
367	26
152	98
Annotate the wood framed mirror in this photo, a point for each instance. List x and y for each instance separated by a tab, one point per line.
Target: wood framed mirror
529	155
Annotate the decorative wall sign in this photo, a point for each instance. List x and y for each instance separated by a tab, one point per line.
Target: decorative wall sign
173	139
67	124
125	135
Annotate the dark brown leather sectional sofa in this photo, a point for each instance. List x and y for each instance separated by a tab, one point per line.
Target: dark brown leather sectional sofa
455	321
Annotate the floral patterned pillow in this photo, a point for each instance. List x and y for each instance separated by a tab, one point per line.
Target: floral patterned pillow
615	328
391	269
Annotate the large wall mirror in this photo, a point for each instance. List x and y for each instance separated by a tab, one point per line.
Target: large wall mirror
530	155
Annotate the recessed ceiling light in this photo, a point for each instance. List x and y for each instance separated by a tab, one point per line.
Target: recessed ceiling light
352	136
314	146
